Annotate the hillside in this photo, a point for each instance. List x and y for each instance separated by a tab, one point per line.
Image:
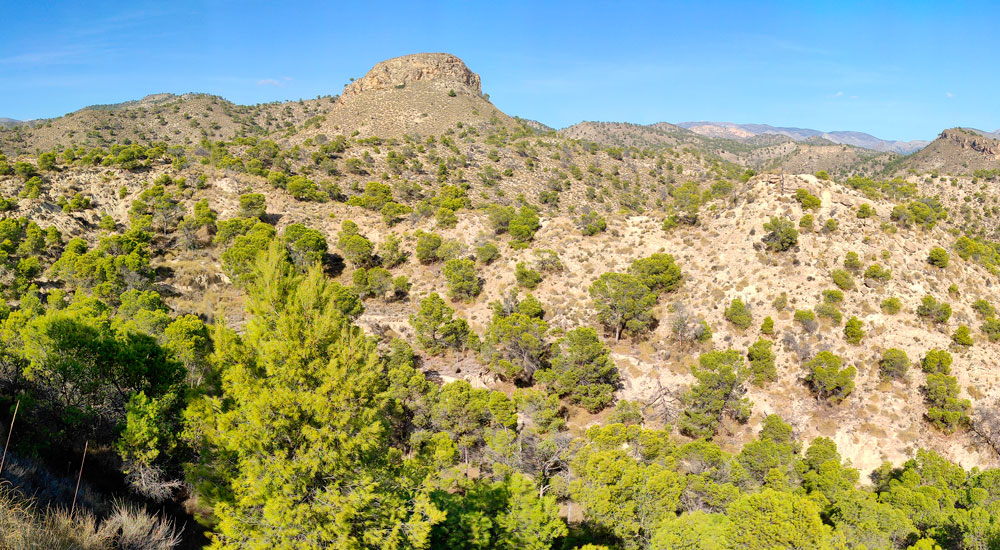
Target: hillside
176	120
956	151
497	166
313	322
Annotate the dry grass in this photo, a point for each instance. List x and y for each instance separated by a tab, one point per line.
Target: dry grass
26	526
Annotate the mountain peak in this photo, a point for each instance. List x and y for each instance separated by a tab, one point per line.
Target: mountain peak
400	71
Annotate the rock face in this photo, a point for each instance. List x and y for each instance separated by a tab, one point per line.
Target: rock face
970	140
400	71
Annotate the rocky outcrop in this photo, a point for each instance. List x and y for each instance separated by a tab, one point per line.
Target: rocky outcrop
400	71
970	140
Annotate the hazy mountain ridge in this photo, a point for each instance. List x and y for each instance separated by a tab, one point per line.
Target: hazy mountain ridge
859	139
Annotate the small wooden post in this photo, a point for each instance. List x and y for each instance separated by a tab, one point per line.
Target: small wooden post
9	432
79	476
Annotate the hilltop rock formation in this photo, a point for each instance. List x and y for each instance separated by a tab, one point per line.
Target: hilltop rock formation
397	72
965	139
419	94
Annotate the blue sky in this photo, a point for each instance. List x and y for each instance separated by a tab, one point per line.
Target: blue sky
899	71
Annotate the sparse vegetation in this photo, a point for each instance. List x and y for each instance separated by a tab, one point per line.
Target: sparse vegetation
170	296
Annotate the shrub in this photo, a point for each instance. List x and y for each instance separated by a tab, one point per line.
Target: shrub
393	212
24	169
446	217
894	363
719	390
938	257
581	370
991	328
852	261
738	314
523	226
401	287
829	311
626	412
704	332
938	312
823	175
427	247
865	211
449	250
305	246
806	222
833	296
32	188
487	253
925	212
830	225
463	281
252	205
944	409
547	261
767	327
500	217
514	345
687	200
376	282
878	273
807	199
806	318
390	251
658	272
853	332
305	189
107	223
936	361
781	235
781	302
962	336
827	379
591	223
435	328
526	277
375	196
354	246
761	360
842	279
983	308
891	305
623	302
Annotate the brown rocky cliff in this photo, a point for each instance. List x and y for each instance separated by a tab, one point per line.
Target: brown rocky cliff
975	142
400	71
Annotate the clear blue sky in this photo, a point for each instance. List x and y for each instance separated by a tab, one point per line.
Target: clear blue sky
898	71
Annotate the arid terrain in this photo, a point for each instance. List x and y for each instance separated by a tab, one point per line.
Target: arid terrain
416	148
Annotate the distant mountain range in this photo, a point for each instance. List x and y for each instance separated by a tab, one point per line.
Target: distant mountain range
994	134
744	132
